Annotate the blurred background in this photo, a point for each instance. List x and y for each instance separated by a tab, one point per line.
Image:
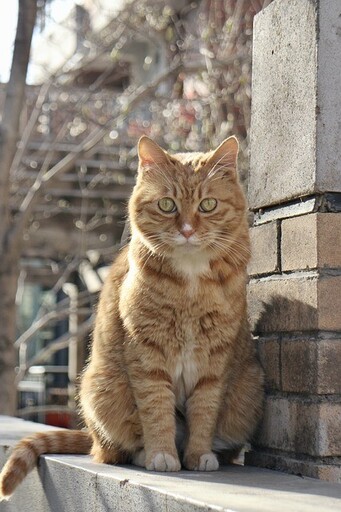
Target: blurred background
87	79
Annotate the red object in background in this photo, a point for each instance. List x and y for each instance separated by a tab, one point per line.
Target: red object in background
58	419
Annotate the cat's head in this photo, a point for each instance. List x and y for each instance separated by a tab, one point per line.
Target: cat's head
190	204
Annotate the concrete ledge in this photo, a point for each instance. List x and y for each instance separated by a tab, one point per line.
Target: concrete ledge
67	483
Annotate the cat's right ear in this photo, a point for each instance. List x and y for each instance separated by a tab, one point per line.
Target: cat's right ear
150	153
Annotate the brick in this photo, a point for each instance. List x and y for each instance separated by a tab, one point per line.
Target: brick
264	257
301	426
297	302
311	366
329	303
283	304
329	367
329	434
276	429
269	356
329	239
299	366
311	241
299	243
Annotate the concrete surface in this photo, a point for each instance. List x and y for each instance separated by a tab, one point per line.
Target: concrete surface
66	483
296	105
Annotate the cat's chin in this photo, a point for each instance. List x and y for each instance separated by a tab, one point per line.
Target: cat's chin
187	248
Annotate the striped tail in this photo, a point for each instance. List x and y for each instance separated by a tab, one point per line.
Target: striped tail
25	454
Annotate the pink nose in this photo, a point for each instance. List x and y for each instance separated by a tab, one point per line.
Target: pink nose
187	231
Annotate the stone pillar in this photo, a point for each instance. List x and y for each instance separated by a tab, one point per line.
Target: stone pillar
295	272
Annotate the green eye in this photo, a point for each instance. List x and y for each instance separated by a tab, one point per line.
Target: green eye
208	204
167	205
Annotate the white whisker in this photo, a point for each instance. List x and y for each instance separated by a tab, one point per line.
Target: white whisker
214	168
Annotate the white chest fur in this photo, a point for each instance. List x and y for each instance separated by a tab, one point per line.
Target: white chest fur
185	374
191	265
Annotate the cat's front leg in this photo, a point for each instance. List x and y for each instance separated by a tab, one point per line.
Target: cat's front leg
155	400
202	409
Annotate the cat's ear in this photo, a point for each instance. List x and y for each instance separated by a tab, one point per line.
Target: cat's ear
150	153
224	158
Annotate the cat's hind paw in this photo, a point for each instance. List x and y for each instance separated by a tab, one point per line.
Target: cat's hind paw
163	461
204	462
208	462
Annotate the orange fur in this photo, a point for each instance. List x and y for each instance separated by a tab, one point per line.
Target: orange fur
173	377
26	453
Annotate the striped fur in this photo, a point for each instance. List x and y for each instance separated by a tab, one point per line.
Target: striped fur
173	377
25	454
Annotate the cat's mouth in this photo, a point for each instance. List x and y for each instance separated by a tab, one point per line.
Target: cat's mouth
187	246
181	241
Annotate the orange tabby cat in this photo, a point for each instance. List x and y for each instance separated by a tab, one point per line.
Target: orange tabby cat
173	378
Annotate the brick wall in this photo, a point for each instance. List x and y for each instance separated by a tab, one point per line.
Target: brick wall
295	308
295	272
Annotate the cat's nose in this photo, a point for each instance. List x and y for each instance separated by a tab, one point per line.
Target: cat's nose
187	230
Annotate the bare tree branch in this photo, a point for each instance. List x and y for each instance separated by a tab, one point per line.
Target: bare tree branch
68	162
13	105
30	126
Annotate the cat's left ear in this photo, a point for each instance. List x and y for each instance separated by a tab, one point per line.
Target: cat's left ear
225	156
150	153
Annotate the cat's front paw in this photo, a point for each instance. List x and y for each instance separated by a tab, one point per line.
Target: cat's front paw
163	461
201	462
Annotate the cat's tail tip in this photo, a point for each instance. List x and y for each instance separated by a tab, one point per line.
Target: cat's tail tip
25	454
7	485
12	474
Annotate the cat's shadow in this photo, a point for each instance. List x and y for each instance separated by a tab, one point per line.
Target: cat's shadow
281	315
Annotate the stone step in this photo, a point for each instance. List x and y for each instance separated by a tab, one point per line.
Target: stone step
70	483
